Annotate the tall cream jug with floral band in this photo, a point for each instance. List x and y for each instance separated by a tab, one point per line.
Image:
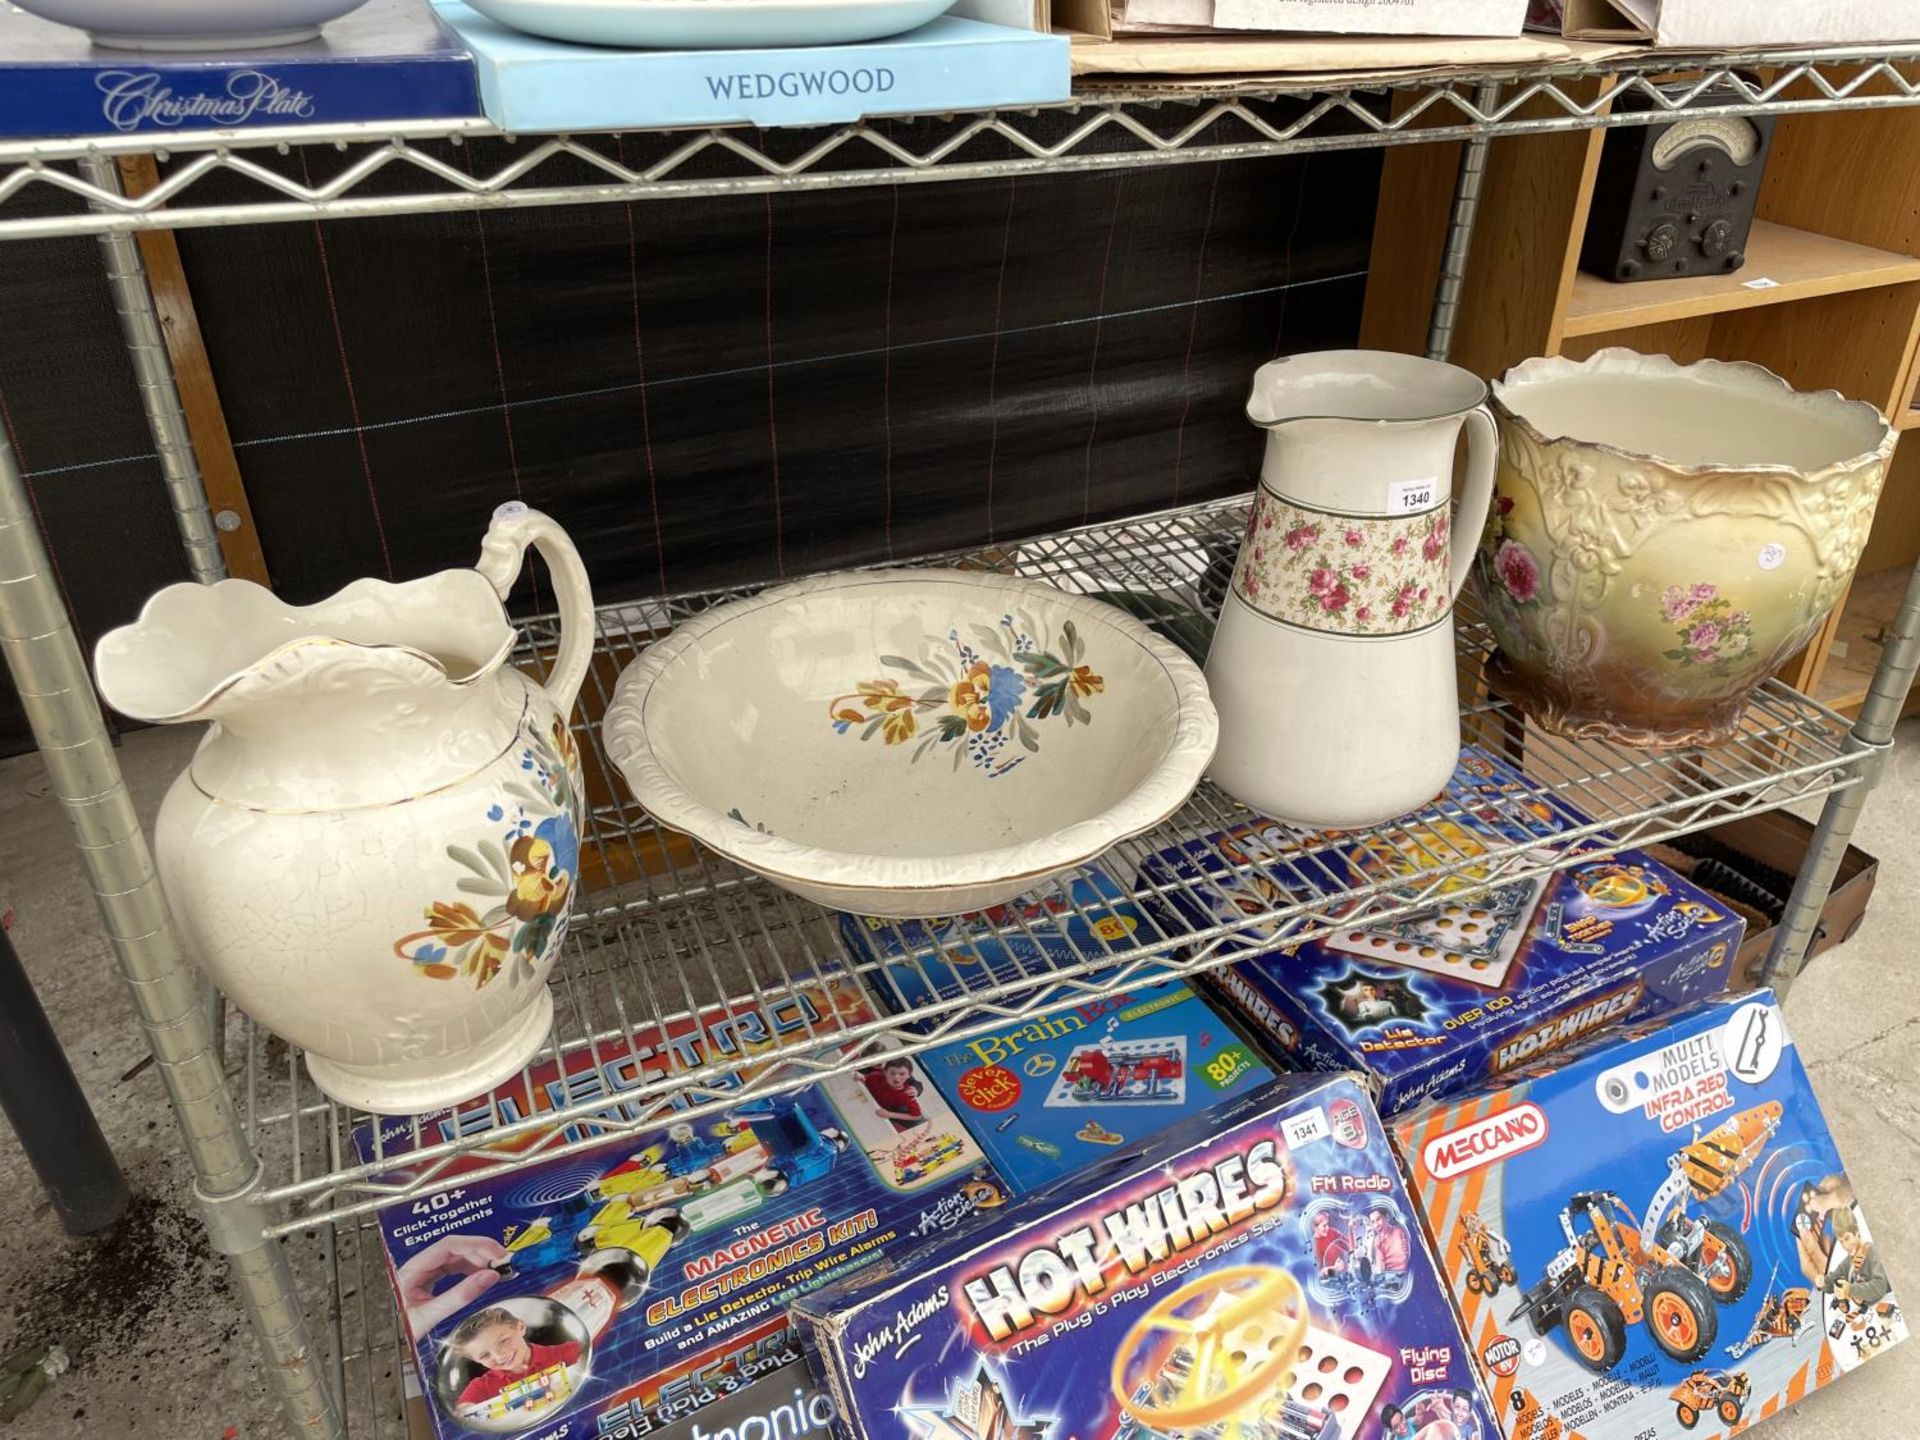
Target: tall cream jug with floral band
377	843
1333	664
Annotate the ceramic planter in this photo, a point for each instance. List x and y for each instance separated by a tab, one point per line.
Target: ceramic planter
1333	664
1665	536
911	743
376	846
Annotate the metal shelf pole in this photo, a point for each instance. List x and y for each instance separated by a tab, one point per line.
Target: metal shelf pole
51	678
1466	208
1872	738
159	394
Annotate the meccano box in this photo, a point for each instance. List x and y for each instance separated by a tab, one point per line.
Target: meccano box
388	60
616	1288
1596	944
530	84
1256	1271
1049	1094
1074	918
1658	1237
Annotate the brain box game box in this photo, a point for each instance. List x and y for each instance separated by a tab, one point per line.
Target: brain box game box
1048	1094
1658	1236
642	1278
1428	1001
1256	1272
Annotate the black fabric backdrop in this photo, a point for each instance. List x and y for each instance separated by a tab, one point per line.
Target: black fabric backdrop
700	391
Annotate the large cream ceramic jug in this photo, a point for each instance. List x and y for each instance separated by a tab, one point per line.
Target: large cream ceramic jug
376	845
1333	664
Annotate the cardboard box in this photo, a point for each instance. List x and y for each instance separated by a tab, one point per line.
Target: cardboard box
1456	18
1076	917
1255	1271
645	1278
1738	24
1598	944
1047	1095
1655	1238
1766	851
533	85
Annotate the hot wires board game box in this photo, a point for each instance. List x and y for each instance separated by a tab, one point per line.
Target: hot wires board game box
1255	1271
1657	1237
1405	1001
619	1288
1048	1094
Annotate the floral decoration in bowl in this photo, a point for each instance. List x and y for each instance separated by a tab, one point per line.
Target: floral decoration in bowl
910	743
1664	536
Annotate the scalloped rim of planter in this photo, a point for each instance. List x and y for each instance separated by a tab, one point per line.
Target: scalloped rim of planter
1191	739
1619	359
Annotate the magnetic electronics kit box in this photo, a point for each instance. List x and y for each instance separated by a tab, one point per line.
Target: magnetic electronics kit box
1075	918
1656	1237
642	1278
1256	1270
1047	1094
1594	945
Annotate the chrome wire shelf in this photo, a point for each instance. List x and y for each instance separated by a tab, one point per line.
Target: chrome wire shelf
676	931
55	187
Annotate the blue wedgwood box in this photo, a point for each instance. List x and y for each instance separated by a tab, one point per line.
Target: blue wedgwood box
389	60
528	84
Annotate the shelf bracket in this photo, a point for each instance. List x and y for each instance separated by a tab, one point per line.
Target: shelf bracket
1466	207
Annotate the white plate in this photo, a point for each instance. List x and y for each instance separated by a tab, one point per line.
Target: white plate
712	24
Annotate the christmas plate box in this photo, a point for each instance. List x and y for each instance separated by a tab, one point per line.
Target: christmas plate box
1047	1094
1656	1237
1255	1270
620	1287
1078	918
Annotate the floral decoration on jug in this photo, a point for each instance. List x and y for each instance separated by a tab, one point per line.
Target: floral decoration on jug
974	693
1382	575
528	875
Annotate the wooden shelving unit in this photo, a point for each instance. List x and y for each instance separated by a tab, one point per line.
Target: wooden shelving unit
1783	265
1837	234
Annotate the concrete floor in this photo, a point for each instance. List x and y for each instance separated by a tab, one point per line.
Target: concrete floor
160	1350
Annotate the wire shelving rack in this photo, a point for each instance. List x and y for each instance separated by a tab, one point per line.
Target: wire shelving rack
284	1193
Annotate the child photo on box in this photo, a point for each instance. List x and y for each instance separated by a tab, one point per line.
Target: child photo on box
505	1366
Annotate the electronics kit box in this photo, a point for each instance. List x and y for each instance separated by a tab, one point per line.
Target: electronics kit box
1429	1001
1656	1237
530	85
1599	943
388	60
1256	1270
1074	918
646	1277
1047	1094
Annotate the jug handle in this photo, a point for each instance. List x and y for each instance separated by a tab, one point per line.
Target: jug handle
1476	492
502	555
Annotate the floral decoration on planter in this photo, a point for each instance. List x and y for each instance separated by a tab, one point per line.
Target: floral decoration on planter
1712	633
1347	575
977	694
527	876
